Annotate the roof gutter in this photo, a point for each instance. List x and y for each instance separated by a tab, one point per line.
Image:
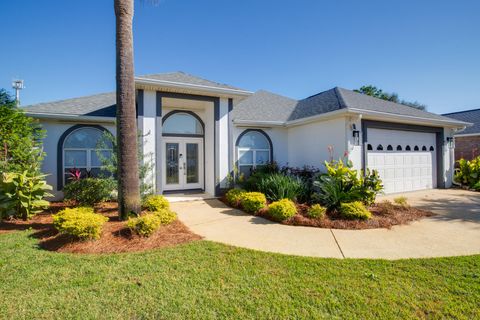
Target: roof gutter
181	85
70	117
258	124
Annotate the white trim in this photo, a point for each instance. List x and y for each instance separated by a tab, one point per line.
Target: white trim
181	85
72	117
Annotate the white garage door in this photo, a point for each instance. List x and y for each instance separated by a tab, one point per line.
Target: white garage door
405	160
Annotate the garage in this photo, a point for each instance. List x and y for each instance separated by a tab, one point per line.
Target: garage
405	160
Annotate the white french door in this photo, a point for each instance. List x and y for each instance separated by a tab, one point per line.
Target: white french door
182	163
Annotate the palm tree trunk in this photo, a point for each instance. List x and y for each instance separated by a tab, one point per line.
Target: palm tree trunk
128	178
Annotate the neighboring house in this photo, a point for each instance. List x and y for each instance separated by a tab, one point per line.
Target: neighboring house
197	131
467	142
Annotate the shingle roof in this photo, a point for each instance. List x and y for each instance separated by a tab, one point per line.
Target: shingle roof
182	77
100	105
472	116
264	105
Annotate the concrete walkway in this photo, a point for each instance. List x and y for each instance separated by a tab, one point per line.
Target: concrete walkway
454	230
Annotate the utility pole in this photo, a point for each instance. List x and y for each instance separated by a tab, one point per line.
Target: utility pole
17	85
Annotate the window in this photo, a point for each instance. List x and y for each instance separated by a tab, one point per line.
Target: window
182	123
399	148
80	151
407	148
379	147
369	147
254	150
416	148
432	148
389	148
424	148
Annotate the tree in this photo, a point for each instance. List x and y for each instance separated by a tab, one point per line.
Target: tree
20	138
393	97
128	181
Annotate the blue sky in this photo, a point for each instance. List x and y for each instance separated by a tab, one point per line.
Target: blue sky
424	50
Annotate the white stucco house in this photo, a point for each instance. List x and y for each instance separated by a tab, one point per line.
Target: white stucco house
196	131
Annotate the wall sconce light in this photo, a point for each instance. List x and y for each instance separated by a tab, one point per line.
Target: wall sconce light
451	142
356	135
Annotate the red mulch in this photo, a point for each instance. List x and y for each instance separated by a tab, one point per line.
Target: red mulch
116	237
383	216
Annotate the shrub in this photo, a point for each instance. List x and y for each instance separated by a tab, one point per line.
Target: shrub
316	211
341	184
80	222
401	201
253	201
282	209
156	203
386	207
354	210
145	225
166	216
468	173
278	186
89	191
233	196
22	195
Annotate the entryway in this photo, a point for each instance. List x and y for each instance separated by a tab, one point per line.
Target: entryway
183	164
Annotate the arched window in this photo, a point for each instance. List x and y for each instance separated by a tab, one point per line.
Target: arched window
85	149
254	149
407	148
432	148
416	148
182	123
399	148
379	147
389	148
369	147
424	148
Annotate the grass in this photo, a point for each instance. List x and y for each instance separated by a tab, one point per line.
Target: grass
205	280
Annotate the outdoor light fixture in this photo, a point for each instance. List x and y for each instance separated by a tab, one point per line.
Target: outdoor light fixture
356	135
451	142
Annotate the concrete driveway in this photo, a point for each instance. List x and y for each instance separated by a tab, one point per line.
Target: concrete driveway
454	230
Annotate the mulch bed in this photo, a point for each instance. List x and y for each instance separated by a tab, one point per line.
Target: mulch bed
382	217
116	237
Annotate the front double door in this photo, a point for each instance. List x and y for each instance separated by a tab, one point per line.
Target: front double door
182	163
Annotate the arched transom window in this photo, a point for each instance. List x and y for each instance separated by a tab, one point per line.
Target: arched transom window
254	150
81	151
182	123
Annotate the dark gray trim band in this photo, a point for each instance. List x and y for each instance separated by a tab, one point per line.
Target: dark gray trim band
230	136
140	103
439	137
216	160
61	140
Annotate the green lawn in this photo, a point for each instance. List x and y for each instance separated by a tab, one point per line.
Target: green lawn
205	280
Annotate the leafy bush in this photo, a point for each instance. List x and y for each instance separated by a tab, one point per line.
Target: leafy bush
468	173
278	186
401	201
282	209
166	216
156	203
80	222
253	201
89	191
341	184
22	195
316	211
145	225
354	210
233	196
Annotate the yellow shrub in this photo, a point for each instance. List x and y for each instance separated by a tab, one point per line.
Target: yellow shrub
355	210
155	203
282	210
253	201
80	222
234	196
145	225
401	201
316	211
166	216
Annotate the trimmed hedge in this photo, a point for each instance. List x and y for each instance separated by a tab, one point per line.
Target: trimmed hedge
234	197
354	210
145	225
81	223
252	202
155	203
282	209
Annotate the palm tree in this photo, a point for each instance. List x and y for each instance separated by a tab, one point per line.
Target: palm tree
128	178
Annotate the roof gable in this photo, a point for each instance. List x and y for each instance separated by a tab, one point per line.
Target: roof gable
472	116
